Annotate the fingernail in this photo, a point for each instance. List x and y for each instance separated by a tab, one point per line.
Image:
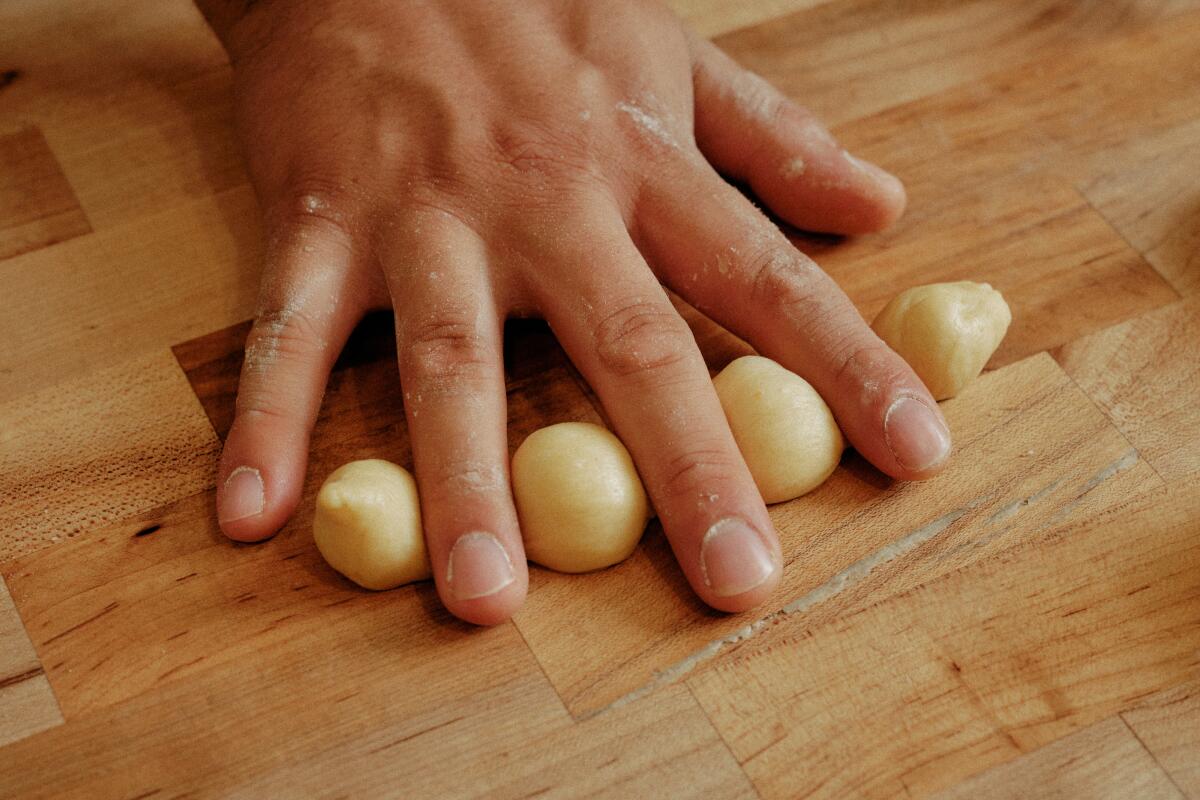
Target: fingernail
734	558
916	434
479	566
243	495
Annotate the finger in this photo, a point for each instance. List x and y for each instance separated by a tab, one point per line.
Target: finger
306	312
617	325
448	338
728	260
751	132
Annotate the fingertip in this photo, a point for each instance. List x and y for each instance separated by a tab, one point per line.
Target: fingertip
884	196
259	480
481	581
917	437
752	598
739	565
491	610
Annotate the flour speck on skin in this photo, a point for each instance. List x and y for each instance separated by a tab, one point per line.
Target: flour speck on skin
312	204
754	97
794	168
648	123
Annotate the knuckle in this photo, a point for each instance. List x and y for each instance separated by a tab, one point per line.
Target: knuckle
868	369
282	335
784	281
257	407
443	351
315	203
694	472
756	99
467	476
642	337
529	151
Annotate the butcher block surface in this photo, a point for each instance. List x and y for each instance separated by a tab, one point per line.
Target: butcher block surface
1026	624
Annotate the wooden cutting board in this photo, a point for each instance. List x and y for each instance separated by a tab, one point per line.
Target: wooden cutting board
1028	623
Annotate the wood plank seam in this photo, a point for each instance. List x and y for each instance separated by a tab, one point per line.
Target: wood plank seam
1141	251
1099	408
721	737
1166	772
850	576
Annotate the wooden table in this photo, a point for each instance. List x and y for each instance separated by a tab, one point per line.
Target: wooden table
1027	624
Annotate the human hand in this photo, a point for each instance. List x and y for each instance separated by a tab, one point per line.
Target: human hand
463	162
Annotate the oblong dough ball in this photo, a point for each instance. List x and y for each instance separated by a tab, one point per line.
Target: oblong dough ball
945	331
786	433
367	524
579	498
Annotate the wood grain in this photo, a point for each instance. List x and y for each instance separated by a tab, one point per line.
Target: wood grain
712	17
1149	193
96	301
381	674
848	60
1031	450
162	595
37	205
970	671
1145	375
27	704
926	635
1062	269
1102	762
1060	114
1168	725
668	749
130	437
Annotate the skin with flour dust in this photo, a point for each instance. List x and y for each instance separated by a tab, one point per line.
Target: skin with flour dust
463	162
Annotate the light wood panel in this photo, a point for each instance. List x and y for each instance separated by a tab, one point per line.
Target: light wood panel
127	438
161	595
138	113
37	205
27	704
664	749
1062	269
97	300
926	632
713	17
1145	375
1060	114
1149	193
1031	450
1168	725
849	60
1103	762
380	673
1007	655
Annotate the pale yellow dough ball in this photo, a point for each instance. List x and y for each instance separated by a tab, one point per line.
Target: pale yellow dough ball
367	525
579	499
945	331
786	433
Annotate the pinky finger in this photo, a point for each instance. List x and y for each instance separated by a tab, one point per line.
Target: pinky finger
301	326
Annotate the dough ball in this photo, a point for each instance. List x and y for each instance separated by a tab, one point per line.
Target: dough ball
579	498
368	525
785	431
945	331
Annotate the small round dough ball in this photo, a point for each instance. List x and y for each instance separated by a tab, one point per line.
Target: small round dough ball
945	331
786	433
367	525
579	499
